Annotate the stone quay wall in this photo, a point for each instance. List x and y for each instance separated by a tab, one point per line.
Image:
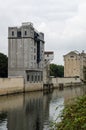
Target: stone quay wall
14	85
65	81
11	85
33	87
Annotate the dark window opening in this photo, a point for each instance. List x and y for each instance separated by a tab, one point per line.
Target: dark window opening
28	77
32	77
12	33
38	51
34	57
19	34
35	78
38	78
72	56
25	32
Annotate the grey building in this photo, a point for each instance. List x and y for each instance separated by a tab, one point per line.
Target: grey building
26	52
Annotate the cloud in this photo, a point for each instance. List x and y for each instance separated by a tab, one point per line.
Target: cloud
62	21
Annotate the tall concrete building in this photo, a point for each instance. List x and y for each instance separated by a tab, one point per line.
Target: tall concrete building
74	64
26	52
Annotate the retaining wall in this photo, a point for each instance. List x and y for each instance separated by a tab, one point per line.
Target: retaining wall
11	85
65	81
33	87
17	85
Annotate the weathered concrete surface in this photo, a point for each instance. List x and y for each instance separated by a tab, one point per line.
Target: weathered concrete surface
33	87
65	81
17	85
11	85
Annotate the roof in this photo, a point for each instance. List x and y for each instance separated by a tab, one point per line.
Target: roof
72	52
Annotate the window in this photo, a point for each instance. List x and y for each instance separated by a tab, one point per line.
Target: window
25	33
19	34
28	77
71	56
35	78
32	77
38	78
12	33
34	57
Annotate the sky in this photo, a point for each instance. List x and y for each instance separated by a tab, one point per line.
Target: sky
63	23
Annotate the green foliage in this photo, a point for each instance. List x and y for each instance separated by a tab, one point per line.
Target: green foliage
3	65
56	70
74	116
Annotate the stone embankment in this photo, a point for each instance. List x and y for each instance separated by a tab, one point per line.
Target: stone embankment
17	85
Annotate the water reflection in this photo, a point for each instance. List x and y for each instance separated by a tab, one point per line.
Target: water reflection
33	111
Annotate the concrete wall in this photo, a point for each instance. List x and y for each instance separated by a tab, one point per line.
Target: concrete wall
65	81
33	87
17	85
11	85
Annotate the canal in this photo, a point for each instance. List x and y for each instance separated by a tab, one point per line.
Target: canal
35	110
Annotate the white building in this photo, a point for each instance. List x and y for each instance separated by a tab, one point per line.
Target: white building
48	57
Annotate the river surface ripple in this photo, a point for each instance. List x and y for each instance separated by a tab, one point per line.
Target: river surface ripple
35	110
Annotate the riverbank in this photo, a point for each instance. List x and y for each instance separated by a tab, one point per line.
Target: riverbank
74	115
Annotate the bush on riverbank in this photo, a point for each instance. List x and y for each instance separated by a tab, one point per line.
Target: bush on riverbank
3	65
74	116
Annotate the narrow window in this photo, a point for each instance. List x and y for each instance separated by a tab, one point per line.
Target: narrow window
34	57
38	78
25	32
71	56
32	77
19	34
12	33
28	77
35	78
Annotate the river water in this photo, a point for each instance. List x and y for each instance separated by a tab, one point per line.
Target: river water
35	110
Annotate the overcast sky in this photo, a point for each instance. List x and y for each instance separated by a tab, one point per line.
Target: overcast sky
62	21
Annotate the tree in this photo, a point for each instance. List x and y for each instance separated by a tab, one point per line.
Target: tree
3	65
56	70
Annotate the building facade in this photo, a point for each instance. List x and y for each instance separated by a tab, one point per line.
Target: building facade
48	57
74	64
26	52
